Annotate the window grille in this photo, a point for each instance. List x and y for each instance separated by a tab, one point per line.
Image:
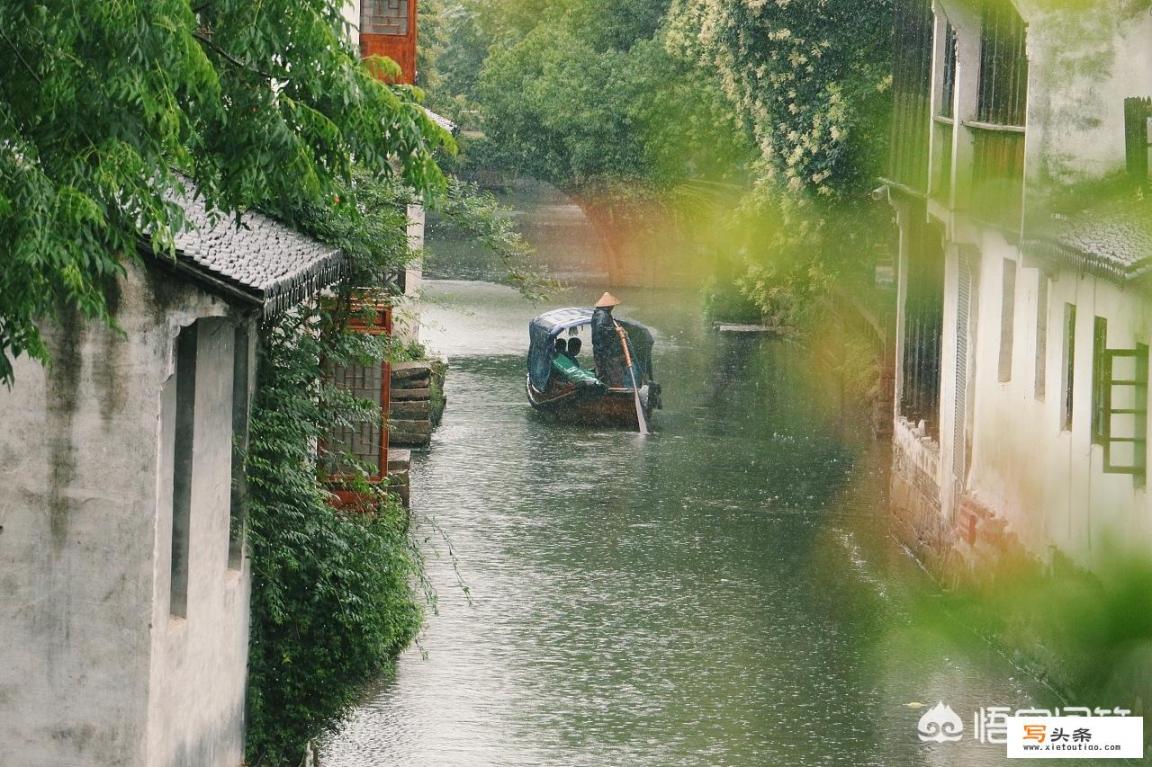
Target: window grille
384	17
359	448
960	411
359	442
923	326
911	94
998	131
1124	410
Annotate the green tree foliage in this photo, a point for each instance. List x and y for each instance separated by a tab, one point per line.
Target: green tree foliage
584	94
102	104
588	99
332	591
811	81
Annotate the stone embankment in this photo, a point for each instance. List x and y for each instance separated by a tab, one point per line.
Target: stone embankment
417	405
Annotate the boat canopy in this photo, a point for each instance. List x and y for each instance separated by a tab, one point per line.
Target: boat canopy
543	330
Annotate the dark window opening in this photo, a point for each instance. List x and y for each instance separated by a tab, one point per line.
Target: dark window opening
1007	320
1068	385
183	447
911	94
923	327
237	518
1002	102
948	91
1099	380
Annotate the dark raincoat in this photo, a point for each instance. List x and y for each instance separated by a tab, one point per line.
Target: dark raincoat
607	350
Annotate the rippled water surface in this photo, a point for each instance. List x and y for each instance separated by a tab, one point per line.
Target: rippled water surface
722	593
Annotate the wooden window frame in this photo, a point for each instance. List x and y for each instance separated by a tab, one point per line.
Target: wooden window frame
1138	439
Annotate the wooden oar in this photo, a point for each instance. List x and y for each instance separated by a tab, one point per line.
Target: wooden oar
640	419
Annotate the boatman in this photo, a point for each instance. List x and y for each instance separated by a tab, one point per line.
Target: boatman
607	350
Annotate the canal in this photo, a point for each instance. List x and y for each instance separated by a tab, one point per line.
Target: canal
723	593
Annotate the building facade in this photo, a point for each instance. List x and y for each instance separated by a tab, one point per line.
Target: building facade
125	577
1018	162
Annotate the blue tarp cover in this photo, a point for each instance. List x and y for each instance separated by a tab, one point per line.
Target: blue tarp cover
543	330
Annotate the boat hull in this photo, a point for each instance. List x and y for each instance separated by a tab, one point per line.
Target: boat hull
588	406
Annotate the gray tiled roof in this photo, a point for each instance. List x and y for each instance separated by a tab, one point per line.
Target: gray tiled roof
442	121
261	257
1112	237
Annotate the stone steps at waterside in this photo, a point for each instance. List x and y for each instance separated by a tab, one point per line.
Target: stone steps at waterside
417	402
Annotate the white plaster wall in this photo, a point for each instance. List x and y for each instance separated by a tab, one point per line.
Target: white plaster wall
352	18
1049	483
1083	63
199	662
78	510
406	318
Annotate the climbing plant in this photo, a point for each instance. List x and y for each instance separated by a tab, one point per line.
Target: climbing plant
810	80
332	591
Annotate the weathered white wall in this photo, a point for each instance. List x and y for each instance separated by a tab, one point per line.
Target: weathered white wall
1048	483
85	653
352	17
1082	65
406	318
201	657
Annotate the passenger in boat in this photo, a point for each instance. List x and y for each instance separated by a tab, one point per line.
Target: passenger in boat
564	363
606	347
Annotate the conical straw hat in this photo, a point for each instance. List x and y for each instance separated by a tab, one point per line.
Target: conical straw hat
607	300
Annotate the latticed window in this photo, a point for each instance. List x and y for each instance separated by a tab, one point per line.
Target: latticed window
911	93
1120	412
384	17
362	444
362	441
1119	403
1002	104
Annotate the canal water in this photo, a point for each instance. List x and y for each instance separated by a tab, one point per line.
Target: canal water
721	594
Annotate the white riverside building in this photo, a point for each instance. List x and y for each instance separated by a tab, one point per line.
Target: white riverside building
125	579
1020	148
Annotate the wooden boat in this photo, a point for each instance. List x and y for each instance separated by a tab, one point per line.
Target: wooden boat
587	402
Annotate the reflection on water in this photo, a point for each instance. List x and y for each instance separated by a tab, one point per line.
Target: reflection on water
720	594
